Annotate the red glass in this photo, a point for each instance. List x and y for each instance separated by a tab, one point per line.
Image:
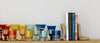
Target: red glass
5	32
0	33
2	26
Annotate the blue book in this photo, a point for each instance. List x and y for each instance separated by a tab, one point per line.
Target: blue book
73	26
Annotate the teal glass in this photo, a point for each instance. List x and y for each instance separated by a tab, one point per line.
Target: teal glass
44	35
36	34
30	27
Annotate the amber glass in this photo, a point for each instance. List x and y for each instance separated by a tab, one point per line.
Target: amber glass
14	26
22	32
28	35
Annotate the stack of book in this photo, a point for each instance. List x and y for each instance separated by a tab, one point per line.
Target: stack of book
71	26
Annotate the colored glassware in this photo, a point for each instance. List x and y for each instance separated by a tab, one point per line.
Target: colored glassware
0	33
36	34
40	27
51	30
12	34
57	35
28	35
22	32
2	26
5	33
29	27
43	35
15	28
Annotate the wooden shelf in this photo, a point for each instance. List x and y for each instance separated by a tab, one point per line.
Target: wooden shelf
91	41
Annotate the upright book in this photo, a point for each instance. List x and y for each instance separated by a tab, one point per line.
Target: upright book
73	26
70	25
67	30
76	27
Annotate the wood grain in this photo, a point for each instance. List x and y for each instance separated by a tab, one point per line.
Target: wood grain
91	41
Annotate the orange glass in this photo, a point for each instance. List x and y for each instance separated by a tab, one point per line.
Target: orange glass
11	35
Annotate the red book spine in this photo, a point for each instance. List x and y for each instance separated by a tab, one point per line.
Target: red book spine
0	34
76	27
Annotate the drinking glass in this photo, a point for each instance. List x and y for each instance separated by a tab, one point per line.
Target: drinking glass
36	34
12	36
40	27
30	27
51	30
28	35
43	36
5	32
57	35
22	32
2	26
15	28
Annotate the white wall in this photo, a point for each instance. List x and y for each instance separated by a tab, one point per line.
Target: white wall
52	12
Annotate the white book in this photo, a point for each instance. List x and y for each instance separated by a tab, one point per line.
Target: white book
67	30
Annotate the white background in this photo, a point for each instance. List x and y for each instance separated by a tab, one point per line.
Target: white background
52	12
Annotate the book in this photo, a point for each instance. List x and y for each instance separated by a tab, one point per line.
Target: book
79	31
73	26
67	31
70	25
76	27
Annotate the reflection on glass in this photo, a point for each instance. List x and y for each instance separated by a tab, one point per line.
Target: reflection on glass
12	36
57	35
5	32
22	32
43	36
40	27
51	30
28	35
36	34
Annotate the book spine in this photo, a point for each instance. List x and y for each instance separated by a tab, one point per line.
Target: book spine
79	31
67	32
76	27
70	25
73	26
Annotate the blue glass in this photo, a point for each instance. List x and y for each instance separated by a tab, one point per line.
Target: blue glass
41	27
51	30
57	35
51	27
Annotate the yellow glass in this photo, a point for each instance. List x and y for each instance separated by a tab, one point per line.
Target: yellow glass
28	35
14	26
22	31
